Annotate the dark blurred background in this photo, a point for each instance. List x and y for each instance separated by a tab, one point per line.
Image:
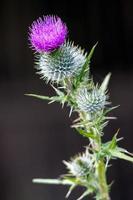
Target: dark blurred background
35	137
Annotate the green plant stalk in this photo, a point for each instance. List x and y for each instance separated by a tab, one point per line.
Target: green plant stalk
102	180
103	191
103	187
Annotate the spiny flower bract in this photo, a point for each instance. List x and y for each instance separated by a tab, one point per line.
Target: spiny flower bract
65	62
80	165
47	33
91	101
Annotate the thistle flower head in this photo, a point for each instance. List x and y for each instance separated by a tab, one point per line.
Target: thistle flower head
91	101
65	62
47	33
80	165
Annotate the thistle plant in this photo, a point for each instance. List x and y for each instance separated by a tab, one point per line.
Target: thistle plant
67	68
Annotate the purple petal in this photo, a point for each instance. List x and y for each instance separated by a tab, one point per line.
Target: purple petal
47	33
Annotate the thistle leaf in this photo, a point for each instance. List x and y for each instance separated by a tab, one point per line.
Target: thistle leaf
110	109
86	134
116	153
85	67
87	192
39	96
70	190
113	142
61	98
52	181
105	82
92	52
58	92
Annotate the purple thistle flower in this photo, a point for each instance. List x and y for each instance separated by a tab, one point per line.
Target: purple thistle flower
47	33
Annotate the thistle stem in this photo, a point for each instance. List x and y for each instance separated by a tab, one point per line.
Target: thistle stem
103	187
101	174
103	192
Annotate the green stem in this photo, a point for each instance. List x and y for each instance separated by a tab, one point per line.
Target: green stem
103	192
103	187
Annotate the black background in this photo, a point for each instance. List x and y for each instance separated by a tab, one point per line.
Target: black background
35	137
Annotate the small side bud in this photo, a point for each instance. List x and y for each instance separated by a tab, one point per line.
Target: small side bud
91	101
80	165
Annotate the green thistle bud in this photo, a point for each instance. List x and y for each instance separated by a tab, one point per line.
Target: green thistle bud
91	101
65	62
80	165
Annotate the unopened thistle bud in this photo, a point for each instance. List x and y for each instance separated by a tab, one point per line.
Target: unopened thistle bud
65	62
91	101
80	165
47	34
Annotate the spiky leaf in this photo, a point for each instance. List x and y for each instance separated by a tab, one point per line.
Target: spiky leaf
52	181
85	68
105	82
